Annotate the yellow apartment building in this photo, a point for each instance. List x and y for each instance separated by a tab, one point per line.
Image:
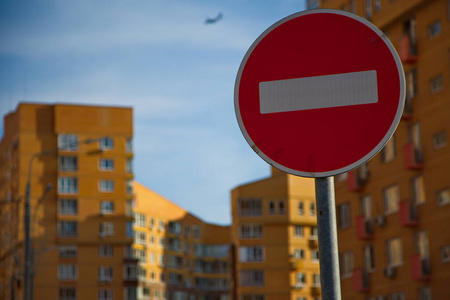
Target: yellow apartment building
275	237
180	256
78	161
394	212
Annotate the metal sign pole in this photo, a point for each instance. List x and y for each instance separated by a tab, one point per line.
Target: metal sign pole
328	246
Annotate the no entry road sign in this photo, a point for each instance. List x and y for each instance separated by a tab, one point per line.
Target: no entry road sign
319	93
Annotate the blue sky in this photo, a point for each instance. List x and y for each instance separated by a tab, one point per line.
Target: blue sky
159	58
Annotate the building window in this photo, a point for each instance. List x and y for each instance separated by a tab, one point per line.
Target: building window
434	29
352	7
388	152
67	293
300	208
445	254
67	206
106	143
312	209
298	231
68	142
187	231
391	199
130	271
252	277
346	264
140	220
343	215
105	274
271	207
368	8
411	89
418	190
131	293
251	254
129	205
106	207
315	256
300	279
129	145
196	232
174	227
394	252
443	197
67	272
68	163
377	5
67	185
250	207
106	229
105	251
129	187
141	238
106	164
106	186
161	225
129	232
341	177
129	165
105	294
436	84
368	258
67	251
250	231
314	232
141	255
397	296
425	293
440	139
281	207
67	229
316	280
299	253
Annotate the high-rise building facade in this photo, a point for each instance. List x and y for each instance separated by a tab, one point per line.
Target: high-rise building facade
275	239
393	212
78	163
180	256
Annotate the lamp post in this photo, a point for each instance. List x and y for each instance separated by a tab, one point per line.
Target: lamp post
27	217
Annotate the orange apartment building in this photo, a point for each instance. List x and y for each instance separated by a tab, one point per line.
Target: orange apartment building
81	183
275	237
180	256
394	212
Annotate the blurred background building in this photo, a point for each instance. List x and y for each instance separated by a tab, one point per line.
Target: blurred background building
275	237
393	212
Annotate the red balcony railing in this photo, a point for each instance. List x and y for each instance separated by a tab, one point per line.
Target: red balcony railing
413	157
420	267
361	283
408	214
407	50
364	228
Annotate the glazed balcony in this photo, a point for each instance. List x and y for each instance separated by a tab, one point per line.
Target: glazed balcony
361	283
420	268
407	49
409	216
364	228
357	178
413	157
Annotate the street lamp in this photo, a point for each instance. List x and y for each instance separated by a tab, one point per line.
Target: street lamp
27	218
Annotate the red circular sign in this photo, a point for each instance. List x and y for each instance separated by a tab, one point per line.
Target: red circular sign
319	93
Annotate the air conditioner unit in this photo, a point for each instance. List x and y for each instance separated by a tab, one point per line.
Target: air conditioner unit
389	272
299	285
380	220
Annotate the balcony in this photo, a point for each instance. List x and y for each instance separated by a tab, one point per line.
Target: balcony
408	214
407	49
413	157
420	268
361	283
313	242
364	228
315	290
356	179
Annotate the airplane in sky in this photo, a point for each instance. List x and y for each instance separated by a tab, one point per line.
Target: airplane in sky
214	20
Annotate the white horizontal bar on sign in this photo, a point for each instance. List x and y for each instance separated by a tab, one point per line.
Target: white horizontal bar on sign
325	91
